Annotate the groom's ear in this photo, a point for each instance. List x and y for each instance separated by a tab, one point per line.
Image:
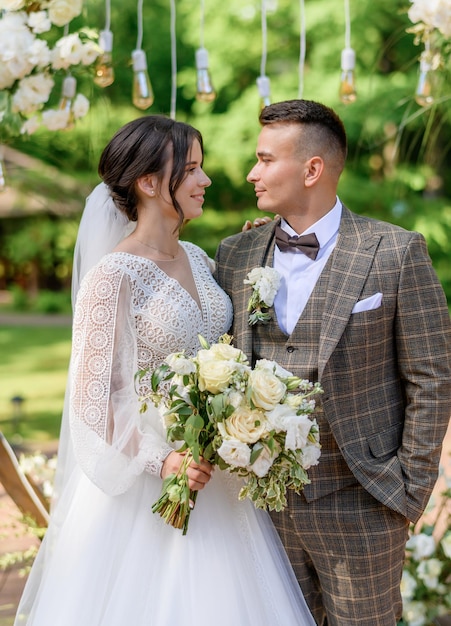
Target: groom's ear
314	167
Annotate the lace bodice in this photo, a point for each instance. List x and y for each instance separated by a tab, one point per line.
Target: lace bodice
130	315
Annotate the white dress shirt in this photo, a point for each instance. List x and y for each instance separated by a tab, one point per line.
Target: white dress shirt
299	273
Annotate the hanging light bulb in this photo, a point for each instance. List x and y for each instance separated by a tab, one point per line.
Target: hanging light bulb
67	97
2	172
104	75
424	91
204	88
264	89
347	90
142	89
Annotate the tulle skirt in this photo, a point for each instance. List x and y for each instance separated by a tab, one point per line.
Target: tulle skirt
112	562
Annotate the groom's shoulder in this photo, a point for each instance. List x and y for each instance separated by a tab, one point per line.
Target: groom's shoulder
245	238
376	226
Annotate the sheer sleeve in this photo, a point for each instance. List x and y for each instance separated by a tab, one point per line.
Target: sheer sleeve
113	442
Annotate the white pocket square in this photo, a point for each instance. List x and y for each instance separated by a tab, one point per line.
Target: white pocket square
368	304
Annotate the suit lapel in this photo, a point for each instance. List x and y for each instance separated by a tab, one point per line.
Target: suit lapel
351	262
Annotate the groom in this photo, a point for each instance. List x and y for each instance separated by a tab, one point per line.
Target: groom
361	310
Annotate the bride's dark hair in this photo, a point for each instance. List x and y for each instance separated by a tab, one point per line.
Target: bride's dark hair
143	147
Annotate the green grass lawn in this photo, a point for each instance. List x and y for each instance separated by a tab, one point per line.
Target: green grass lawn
33	365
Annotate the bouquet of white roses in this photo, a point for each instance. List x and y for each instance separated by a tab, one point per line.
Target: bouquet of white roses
255	422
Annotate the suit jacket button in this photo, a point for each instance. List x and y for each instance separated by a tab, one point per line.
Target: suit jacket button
290	349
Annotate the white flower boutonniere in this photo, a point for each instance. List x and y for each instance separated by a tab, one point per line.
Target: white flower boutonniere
265	282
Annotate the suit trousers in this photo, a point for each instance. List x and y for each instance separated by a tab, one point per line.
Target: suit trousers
347	551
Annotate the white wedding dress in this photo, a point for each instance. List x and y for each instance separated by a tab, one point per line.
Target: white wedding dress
107	560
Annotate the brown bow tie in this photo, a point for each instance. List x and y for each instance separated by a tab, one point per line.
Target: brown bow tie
308	244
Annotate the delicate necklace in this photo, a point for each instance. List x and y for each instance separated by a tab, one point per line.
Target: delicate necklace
173	256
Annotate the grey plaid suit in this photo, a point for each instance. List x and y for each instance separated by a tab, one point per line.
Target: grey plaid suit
386	375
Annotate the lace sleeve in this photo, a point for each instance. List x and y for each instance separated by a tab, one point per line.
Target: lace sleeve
113	442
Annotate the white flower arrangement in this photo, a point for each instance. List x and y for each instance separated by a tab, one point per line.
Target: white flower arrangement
431	14
426	578
29	64
254	422
432	27
265	282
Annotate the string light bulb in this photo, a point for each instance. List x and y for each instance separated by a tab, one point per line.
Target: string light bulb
104	76
205	91
142	89
68	91
347	90
2	173
424	93
429	62
264	89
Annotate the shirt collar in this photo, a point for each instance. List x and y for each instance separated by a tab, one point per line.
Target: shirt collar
325	228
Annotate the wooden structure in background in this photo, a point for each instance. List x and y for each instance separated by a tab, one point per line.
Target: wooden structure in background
20	487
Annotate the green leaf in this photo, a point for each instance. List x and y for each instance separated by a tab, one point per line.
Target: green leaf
256	451
160	374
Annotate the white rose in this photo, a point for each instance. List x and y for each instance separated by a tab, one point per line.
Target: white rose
263	463
39	22
11	5
30	126
55	120
266	281
428	571
446	544
61	12
422	546
442	18
414	613
226	352
89	53
298	428
180	364
32	92
419	11
408	586
266	389
39	53
16	41
273	367
279	416
310	455
235	398
67	51
246	425
235	453
217	367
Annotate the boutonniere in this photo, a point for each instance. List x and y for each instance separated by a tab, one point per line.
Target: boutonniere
265	282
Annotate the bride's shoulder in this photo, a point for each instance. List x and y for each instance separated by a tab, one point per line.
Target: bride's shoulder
110	269
196	252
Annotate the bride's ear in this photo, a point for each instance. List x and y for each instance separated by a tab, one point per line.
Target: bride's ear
147	185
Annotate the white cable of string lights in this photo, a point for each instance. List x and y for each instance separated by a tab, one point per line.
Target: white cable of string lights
302	48
139	30
173	61
263	82
347	25
107	14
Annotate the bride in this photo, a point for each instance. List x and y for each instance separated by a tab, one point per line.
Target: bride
139	294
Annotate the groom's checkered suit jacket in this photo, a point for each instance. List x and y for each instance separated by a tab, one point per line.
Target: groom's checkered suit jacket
386	372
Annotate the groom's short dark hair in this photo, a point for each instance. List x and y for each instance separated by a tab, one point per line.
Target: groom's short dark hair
320	122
